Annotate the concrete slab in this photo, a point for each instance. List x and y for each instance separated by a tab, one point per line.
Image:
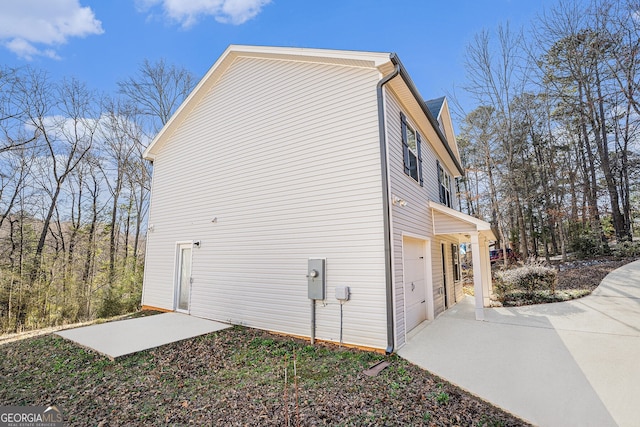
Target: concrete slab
119	338
571	363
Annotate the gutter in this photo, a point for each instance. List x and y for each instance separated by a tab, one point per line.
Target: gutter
434	123
385	205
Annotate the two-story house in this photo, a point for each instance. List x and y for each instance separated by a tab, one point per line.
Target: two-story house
289	175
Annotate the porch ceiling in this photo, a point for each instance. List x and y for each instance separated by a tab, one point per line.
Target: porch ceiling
450	221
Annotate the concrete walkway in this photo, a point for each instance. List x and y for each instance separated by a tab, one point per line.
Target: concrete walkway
573	363
115	339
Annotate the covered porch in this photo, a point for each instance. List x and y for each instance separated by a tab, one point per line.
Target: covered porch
465	228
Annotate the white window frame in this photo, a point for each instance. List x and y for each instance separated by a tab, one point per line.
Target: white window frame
444	180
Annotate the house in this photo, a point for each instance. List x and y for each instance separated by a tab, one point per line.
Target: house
289	175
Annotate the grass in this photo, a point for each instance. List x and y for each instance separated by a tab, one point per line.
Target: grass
233	377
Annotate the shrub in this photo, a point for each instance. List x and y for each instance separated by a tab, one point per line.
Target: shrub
502	286
111	305
529	278
588	245
627	249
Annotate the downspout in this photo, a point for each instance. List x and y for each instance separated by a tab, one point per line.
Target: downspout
385	205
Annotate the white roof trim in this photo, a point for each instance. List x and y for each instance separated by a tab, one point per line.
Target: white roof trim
376	58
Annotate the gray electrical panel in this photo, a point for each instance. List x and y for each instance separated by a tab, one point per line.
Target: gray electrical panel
316	279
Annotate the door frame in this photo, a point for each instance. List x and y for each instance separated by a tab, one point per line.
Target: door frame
445	282
428	279
456	267
177	273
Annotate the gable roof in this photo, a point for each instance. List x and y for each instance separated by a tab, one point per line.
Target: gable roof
440	109
435	105
384	62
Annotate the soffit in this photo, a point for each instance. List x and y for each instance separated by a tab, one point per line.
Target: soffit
451	221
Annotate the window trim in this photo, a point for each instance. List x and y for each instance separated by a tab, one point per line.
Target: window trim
455	255
407	152
444	185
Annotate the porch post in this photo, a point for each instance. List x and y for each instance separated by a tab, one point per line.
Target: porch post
477	274
486	271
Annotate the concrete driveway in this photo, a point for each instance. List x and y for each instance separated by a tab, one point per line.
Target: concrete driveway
573	363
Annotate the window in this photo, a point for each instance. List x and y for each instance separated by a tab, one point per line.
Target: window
411	150
444	182
455	255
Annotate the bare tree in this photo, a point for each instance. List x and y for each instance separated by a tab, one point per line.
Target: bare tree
14	135
64	116
577	63
496	75
157	90
74	192
118	152
565	137
480	130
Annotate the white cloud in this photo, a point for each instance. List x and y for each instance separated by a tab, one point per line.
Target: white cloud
187	13
32	28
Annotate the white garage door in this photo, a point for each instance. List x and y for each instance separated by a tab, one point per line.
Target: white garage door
414	281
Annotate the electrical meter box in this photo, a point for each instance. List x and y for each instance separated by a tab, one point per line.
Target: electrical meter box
316	278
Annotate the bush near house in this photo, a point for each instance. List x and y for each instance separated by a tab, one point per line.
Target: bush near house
529	279
575	279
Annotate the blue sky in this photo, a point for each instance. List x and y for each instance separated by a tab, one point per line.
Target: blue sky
103	41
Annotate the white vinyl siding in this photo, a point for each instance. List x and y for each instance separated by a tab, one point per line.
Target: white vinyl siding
413	219
284	156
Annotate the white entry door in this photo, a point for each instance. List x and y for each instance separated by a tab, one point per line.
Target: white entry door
414	282
183	277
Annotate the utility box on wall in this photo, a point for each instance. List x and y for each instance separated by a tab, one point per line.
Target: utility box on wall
316	279
342	293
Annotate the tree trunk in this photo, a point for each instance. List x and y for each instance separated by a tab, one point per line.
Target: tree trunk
592	190
601	137
37	258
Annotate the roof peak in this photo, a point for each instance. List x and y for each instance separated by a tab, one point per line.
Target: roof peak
377	58
435	105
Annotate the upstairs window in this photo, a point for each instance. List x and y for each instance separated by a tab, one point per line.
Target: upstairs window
444	183
411	150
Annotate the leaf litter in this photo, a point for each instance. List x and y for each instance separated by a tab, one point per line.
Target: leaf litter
235	377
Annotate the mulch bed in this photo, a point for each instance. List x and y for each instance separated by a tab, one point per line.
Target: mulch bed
587	274
576	279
